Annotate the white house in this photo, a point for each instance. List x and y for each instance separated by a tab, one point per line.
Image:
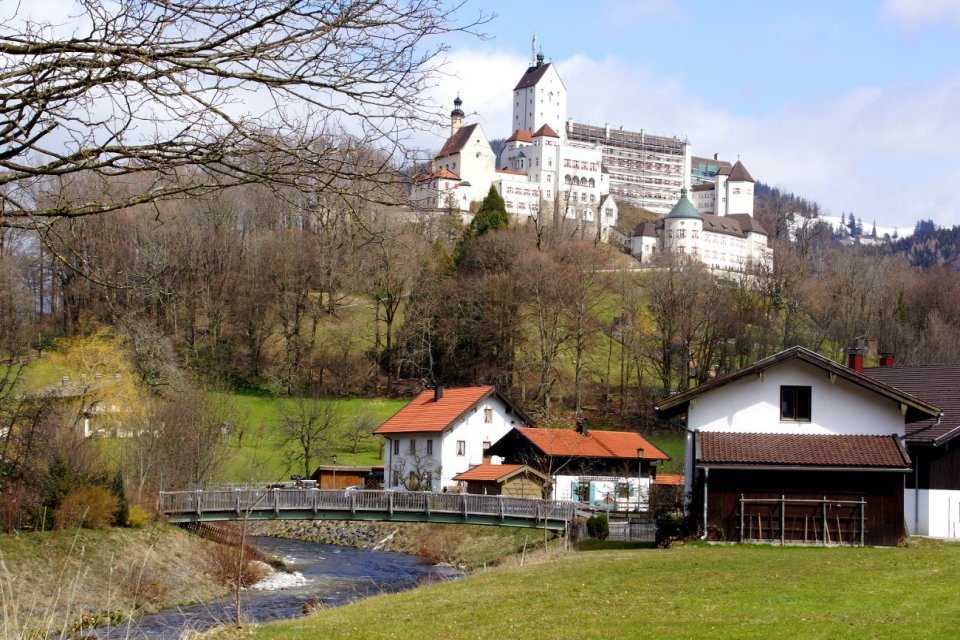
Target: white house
610	470
442	433
796	447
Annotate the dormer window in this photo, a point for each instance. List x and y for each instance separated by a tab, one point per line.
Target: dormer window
795	403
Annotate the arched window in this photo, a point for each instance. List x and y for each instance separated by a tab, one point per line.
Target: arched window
593	182
566	179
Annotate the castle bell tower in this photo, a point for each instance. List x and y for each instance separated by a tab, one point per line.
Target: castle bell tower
456	116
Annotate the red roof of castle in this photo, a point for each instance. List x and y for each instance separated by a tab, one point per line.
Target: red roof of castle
520	135
545	130
457	141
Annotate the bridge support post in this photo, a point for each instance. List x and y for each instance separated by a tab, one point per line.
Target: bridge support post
276	502
199	501
238	501
427	500
390	503
353	502
316	501
463	497
500	505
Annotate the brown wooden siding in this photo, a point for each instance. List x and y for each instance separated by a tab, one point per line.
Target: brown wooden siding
882	491
520	486
937	467
327	479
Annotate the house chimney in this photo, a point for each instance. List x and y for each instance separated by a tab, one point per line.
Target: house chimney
581	426
716	156
437	393
886	359
855	354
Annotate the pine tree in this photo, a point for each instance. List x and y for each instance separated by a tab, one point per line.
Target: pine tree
873	233
491	215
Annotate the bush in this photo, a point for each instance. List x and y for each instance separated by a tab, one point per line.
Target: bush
222	561
90	506
440	544
670	528
138	517
598	527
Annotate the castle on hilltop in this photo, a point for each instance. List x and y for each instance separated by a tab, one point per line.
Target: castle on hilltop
554	167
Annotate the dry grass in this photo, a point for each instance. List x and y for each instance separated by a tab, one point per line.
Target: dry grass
50	581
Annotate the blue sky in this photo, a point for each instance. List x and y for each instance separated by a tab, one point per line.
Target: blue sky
855	104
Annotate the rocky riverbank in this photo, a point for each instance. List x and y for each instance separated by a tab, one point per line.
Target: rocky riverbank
464	546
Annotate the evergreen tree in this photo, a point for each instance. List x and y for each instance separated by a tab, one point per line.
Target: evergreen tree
873	233
852	225
123	510
490	216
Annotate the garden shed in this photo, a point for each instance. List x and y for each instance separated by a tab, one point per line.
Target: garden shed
512	480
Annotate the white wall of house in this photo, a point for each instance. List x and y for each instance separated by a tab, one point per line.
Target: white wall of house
932	512
739	198
474	430
445	461
603	489
752	404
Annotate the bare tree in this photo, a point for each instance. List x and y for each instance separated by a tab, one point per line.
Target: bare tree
308	426
360	429
416	470
197	95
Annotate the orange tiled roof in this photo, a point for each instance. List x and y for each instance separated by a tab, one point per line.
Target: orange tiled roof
596	444
520	135
487	471
669	478
425	414
546	130
441	174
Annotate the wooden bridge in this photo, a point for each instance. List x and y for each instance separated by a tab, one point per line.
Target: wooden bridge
260	503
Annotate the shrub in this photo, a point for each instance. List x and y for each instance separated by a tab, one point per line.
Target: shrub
222	561
440	544
138	517
90	506
598	527
146	584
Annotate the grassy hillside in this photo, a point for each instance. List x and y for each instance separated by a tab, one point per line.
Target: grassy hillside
262	449
685	592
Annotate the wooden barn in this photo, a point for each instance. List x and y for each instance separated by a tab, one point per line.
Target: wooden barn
797	448
341	477
512	480
932	499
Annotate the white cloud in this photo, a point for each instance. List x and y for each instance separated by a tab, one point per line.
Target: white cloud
886	153
914	15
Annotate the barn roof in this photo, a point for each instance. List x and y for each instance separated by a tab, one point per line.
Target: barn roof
938	384
725	449
487	472
917	409
426	414
595	444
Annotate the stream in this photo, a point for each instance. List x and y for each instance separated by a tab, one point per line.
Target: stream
331	575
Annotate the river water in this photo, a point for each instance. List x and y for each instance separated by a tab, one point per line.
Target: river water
332	576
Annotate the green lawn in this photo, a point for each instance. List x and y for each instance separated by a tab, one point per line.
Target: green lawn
685	592
260	455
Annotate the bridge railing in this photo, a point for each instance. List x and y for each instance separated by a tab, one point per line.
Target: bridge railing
259	499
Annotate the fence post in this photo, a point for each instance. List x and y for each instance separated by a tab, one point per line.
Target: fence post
500	505
353	502
390	502
826	534
199	500
463	497
316	500
783	518
238	501
863	519
427	500
276	501
741	518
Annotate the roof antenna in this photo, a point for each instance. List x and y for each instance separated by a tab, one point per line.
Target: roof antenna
533	49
